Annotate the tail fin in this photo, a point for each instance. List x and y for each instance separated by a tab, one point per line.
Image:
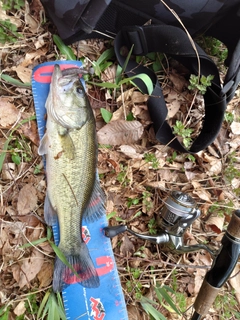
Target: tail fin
82	263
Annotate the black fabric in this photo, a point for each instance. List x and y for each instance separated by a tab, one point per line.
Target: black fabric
81	19
173	41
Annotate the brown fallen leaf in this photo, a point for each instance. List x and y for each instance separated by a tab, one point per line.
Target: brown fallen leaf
235	127
20	308
29	129
27	199
11	18
173	101
179	82
45	275
133	313
201	192
23	73
215	223
9	114
120	132
127	248
9	171
130	152
30	268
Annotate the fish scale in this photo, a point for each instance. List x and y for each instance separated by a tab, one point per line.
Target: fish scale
107	301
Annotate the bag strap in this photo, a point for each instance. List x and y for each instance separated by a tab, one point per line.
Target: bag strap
174	42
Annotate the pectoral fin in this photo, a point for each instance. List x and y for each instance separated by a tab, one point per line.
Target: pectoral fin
44	144
66	142
50	215
68	146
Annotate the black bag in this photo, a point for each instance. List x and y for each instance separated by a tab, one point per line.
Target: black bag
81	19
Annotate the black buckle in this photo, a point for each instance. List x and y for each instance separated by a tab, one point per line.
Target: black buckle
134	35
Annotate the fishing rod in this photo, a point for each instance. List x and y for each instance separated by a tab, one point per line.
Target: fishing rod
178	213
222	267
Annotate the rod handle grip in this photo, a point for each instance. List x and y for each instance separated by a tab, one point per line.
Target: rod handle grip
205	298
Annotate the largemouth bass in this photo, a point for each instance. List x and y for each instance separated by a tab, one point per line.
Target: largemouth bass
73	192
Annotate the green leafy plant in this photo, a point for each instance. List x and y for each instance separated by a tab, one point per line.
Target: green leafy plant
183	132
146	200
11	138
130	117
106	115
51	307
13	4
31	304
229	117
153	60
102	62
172	157
109	85
214	48
133	202
122	175
226	305
151	158
201	83
134	287
8	32
164	298
140	252
152	226
231	171
221	210
120	79
190	157
37	169
20	150
4	313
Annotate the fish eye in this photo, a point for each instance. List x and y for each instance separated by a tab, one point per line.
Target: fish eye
80	91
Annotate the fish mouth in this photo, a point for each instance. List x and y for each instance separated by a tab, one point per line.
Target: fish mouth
63	84
57	74
64	78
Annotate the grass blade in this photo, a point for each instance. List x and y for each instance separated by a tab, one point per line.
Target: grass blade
14	82
163	292
149	308
62	257
65	50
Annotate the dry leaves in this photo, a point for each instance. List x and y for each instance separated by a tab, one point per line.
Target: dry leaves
235	127
11	117
28	268
120	132
9	114
27	199
216	223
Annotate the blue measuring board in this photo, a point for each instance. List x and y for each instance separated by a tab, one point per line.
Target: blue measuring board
107	301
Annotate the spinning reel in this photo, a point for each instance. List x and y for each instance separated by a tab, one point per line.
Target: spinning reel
177	214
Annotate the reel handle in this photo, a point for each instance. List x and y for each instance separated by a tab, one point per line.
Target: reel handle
111	232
